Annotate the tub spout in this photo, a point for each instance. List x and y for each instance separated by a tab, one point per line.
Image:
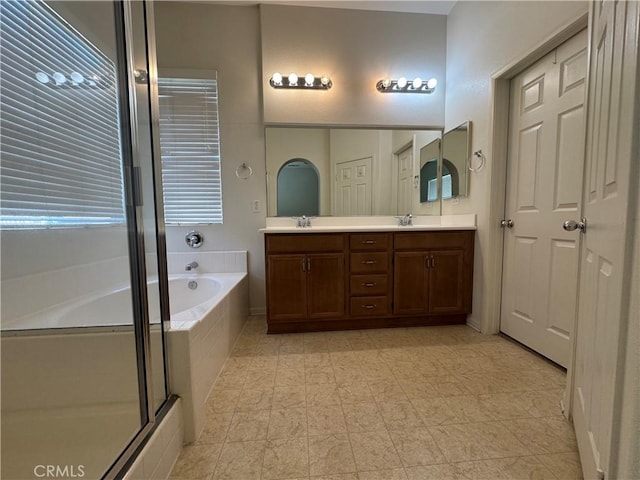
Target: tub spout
191	266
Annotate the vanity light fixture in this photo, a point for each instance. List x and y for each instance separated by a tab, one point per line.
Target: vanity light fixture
69	81
308	82
402	85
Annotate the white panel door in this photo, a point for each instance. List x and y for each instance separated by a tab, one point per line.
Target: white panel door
405	180
605	263
354	180
544	187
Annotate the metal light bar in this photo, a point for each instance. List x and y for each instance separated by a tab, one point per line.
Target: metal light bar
72	80
402	85
308	82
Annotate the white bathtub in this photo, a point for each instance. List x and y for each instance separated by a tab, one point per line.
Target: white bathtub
77	341
113	308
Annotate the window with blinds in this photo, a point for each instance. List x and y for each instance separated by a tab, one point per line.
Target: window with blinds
61	156
190	145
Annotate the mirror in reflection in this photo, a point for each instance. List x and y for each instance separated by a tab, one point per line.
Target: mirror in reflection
298	189
429	157
456	149
345	172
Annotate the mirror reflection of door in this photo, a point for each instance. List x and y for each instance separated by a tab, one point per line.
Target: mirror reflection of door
298	189
353	187
405	180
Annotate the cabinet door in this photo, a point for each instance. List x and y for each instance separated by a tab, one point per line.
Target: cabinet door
326	290
287	287
410	278
446	281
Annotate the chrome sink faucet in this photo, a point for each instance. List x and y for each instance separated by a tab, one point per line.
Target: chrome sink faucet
191	266
303	221
405	220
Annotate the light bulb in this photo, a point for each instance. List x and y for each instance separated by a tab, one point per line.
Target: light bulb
42	77
324	80
417	83
276	78
402	82
293	79
76	78
431	83
59	78
309	79
386	82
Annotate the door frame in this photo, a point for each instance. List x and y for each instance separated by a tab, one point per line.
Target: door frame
499	135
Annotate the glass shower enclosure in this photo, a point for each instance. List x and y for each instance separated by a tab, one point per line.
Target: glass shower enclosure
83	263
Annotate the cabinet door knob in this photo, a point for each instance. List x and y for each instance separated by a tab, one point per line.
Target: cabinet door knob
369	284
368	307
369	262
369	242
304	265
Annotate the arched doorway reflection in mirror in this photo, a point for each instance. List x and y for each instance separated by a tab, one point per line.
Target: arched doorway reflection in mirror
298	189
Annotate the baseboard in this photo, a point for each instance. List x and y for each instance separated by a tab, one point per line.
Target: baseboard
257	310
473	324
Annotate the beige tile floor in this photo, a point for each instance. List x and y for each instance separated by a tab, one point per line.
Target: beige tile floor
409	403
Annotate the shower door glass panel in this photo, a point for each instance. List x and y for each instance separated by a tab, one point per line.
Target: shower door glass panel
73	273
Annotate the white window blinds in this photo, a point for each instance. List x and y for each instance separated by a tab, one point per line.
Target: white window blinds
61	157
190	143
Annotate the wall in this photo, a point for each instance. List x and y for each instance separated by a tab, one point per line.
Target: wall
226	39
482	38
355	49
284	144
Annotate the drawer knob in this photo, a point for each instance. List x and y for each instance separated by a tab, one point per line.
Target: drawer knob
369	262
368	307
369	242
369	284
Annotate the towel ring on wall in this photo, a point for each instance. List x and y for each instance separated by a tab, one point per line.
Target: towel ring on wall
244	171
477	161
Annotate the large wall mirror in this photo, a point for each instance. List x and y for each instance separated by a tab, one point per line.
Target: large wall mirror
346	171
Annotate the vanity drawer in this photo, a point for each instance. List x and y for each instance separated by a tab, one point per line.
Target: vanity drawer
369	306
300	242
369	284
369	262
369	241
420	240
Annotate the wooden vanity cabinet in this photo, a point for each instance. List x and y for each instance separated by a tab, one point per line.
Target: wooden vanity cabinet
332	281
305	277
433	273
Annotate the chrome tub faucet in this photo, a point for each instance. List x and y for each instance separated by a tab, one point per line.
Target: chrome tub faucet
191	266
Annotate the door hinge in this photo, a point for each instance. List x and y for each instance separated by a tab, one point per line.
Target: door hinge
600	475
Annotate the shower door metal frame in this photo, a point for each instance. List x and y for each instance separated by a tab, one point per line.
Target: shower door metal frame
125	25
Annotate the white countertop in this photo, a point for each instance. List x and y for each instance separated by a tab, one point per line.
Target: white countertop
371	224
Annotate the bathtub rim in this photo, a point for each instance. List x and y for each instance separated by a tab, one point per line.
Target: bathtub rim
228	281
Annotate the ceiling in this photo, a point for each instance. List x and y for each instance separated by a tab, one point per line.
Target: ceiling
435	7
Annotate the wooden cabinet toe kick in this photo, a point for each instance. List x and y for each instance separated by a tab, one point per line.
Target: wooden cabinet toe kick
364	323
